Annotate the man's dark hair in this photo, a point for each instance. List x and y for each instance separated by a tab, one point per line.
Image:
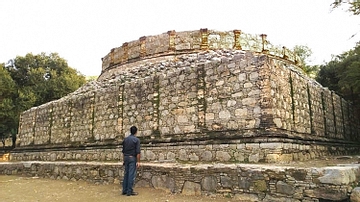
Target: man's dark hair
133	130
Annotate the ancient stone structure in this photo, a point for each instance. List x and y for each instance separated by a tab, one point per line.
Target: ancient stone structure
202	97
195	96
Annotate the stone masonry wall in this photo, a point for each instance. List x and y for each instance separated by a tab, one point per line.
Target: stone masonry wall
243	182
214	104
305	107
61	122
175	43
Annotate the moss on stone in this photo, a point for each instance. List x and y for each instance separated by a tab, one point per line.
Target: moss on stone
260	185
310	110
292	97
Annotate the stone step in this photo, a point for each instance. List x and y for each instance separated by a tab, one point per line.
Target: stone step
4	156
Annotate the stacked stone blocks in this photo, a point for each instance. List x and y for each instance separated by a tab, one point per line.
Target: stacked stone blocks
195	96
240	181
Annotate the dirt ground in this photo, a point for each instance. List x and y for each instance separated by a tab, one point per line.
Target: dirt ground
29	189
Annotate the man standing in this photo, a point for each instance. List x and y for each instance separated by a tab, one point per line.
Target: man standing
131	155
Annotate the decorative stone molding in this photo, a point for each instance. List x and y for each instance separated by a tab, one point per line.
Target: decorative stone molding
175	43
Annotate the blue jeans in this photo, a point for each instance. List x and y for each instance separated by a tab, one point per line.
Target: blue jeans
129	174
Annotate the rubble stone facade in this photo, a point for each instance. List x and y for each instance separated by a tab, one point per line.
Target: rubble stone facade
242	182
195	96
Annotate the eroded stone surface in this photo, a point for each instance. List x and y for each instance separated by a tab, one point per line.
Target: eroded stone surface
196	96
285	188
217	95
209	183
164	182
338	176
256	181
191	188
355	195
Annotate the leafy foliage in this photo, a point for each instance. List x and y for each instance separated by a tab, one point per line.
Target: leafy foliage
8	107
91	78
31	81
304	54
352	6
342	74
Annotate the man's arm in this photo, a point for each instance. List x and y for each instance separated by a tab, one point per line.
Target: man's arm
138	153
122	151
138	160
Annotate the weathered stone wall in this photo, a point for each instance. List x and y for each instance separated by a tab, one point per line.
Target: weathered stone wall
8	142
303	106
216	104
61	126
201	151
241	181
317	110
42	129
26	127
175	43
106	113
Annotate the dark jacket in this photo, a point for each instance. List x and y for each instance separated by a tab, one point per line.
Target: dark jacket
131	146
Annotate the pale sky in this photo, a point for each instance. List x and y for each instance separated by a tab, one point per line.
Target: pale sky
84	31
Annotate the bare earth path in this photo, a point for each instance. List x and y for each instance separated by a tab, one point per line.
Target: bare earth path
27	189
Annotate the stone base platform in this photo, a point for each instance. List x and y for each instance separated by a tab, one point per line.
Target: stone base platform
225	150
248	182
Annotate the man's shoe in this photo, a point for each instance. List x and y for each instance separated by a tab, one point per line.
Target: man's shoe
132	194
123	193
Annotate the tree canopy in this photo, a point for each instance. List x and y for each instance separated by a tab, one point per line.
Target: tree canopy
30	81
8	120
352	6
304	53
342	74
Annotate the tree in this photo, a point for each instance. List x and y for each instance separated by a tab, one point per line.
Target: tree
47	77
352	6
304	54
8	119
342	74
91	78
349	73
31	81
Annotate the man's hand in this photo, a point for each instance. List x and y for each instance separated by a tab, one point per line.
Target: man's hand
137	164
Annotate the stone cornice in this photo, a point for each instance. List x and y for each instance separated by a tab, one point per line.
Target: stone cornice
175	43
